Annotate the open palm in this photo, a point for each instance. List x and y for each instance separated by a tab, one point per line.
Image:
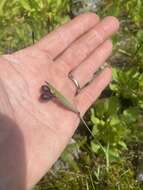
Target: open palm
81	46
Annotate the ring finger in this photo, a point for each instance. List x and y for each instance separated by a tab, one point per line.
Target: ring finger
84	72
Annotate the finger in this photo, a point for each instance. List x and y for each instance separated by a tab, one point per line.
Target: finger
88	95
85	45
58	40
84	72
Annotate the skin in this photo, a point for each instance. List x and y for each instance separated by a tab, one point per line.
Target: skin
34	134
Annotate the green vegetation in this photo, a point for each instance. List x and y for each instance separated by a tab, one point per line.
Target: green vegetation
21	20
112	160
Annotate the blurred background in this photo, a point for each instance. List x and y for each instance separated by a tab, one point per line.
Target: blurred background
113	160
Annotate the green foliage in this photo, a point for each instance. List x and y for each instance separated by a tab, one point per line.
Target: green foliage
92	173
21	20
128	85
109	127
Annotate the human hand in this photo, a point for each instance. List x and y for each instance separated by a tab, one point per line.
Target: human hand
81	45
